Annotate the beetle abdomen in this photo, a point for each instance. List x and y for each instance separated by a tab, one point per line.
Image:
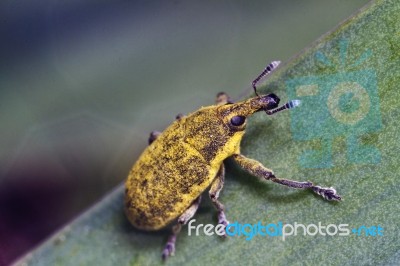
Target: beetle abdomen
166	179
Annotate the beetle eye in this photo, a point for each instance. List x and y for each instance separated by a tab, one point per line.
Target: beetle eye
238	120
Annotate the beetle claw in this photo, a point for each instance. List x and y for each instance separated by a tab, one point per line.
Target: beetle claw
327	193
168	251
222	220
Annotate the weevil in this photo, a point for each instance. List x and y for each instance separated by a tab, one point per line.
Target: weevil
166	182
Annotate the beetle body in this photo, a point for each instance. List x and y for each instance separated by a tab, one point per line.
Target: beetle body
167	180
183	161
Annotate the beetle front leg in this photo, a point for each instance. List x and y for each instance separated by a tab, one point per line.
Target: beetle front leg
169	248
214	191
222	98
256	168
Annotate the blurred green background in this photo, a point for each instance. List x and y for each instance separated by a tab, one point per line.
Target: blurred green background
84	82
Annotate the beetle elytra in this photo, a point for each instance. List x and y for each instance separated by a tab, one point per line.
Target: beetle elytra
166	182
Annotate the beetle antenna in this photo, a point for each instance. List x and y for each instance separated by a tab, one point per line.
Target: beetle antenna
268	69
289	105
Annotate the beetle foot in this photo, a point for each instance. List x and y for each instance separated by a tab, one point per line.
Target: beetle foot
222	220
327	193
169	249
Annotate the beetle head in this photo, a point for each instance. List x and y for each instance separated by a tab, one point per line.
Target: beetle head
235	114
217	130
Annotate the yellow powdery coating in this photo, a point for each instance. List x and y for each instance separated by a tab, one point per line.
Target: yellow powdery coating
182	162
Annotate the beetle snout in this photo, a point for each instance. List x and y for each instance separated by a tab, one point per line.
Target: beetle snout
272	101
250	106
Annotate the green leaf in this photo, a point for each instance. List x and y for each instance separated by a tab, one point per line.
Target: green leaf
343	135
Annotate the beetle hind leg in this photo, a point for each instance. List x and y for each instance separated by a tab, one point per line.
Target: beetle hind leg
214	191
169	248
153	136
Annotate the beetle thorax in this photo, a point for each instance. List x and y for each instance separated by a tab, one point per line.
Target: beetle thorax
210	135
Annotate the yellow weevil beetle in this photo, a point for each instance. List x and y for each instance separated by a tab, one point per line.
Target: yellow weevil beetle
180	163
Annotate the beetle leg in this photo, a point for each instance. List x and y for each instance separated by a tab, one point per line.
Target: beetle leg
214	191
256	168
222	98
179	116
169	248
153	136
